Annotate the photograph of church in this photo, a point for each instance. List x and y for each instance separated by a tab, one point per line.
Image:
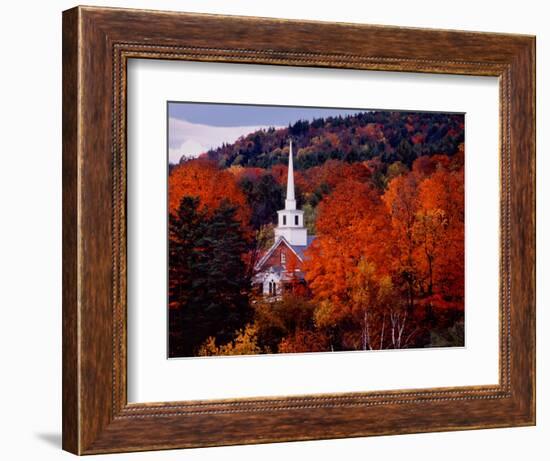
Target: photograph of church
312	229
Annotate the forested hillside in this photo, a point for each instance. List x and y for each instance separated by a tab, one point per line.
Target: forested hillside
389	136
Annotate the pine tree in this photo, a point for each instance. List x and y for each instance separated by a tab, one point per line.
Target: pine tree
208	283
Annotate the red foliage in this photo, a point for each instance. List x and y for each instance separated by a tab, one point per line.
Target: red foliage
201	178
304	341
345	235
405	248
332	173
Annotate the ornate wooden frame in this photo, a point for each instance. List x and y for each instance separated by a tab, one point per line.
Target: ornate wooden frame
97	43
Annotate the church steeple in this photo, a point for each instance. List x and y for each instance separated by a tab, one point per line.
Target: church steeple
290	202
291	221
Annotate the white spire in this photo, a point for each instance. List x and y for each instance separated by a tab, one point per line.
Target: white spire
290	221
290	202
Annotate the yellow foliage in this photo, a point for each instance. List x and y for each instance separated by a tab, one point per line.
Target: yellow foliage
245	343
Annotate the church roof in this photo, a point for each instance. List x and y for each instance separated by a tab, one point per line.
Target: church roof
297	249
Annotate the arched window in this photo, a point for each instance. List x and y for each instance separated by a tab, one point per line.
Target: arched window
296	220
284	220
283	257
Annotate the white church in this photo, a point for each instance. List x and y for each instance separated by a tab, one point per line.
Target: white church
282	263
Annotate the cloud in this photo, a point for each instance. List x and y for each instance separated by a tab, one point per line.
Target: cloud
192	139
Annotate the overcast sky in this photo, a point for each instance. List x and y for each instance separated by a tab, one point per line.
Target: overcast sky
195	128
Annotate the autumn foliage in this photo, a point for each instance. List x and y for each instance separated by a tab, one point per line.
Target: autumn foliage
390	264
202	179
386	267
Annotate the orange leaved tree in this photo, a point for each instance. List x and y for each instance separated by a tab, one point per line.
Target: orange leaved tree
202	179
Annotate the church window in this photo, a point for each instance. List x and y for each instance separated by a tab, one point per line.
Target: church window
283	257
296	219
272	288
284	220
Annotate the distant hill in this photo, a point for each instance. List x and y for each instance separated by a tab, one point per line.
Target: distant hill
389	136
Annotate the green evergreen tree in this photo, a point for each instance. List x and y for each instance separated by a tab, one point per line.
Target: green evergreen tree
207	277
265	197
405	153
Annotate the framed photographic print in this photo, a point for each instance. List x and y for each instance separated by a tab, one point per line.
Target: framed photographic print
280	230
